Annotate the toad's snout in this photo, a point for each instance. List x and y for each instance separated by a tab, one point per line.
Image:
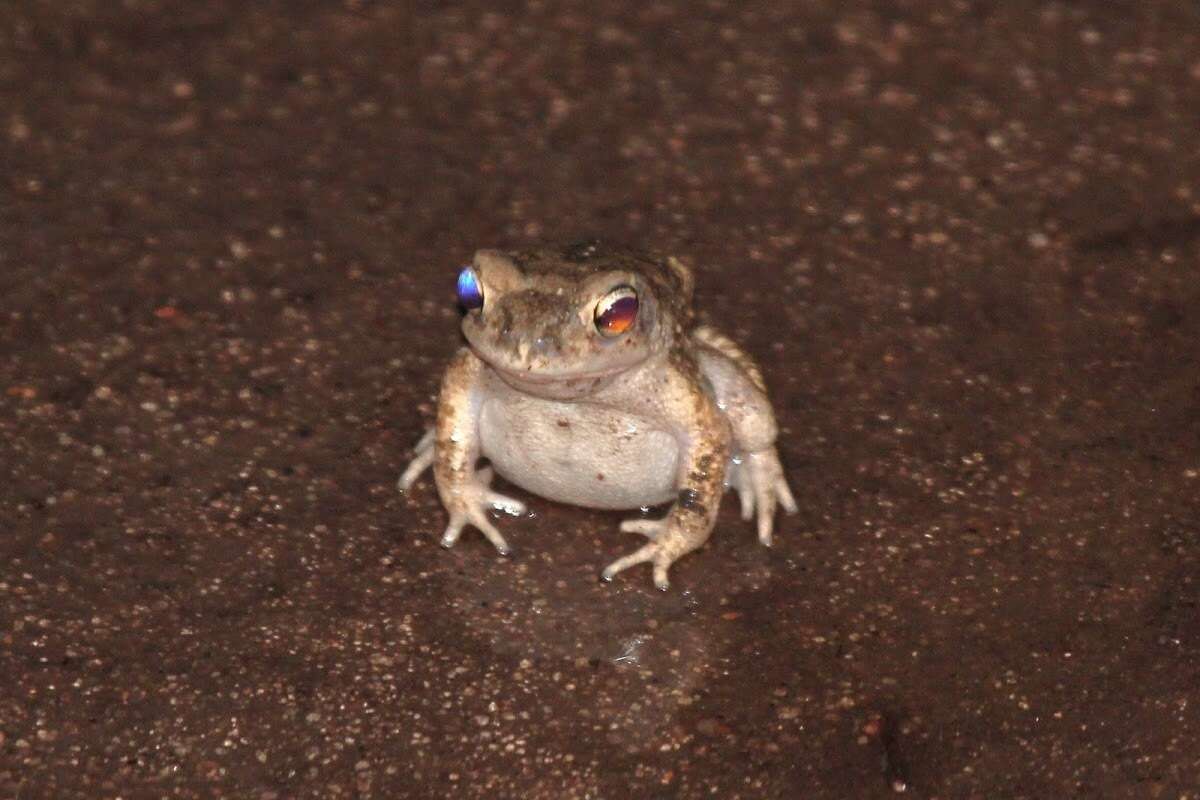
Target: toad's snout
531	325
531	350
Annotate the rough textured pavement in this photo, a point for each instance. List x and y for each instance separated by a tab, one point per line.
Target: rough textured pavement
963	237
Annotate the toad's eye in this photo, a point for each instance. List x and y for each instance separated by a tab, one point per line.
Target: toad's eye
470	290
617	312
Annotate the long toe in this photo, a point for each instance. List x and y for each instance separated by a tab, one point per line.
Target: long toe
453	531
419	464
640	556
746	499
650	528
480	521
423	455
766	513
785	496
660	576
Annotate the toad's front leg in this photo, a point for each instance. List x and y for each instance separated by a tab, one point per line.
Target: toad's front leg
464	492
705	452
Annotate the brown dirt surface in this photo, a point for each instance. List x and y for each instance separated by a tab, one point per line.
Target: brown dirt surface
963	238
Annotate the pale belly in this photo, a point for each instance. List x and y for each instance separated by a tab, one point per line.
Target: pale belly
579	454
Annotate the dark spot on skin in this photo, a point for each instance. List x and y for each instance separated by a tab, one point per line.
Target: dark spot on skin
702	474
689	500
599	476
562	423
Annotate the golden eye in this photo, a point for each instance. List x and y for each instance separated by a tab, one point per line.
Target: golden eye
617	312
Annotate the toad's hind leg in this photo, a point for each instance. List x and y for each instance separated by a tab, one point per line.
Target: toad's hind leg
741	392
713	339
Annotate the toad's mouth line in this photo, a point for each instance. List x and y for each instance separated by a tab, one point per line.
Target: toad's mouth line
531	376
545	377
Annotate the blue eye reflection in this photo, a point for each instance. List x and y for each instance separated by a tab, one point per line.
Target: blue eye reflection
470	291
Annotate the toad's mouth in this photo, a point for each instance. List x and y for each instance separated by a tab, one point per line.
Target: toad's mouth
545	377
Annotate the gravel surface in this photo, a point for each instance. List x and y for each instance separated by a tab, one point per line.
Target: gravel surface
962	236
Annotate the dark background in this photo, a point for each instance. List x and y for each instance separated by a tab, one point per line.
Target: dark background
961	236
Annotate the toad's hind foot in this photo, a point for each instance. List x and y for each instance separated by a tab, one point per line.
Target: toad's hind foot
761	486
422	459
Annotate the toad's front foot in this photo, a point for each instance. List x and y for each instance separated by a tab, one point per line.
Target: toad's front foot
469	504
668	541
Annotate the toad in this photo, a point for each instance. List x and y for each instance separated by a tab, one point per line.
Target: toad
585	380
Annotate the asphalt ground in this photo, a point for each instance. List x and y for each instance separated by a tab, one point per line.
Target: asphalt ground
961	236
